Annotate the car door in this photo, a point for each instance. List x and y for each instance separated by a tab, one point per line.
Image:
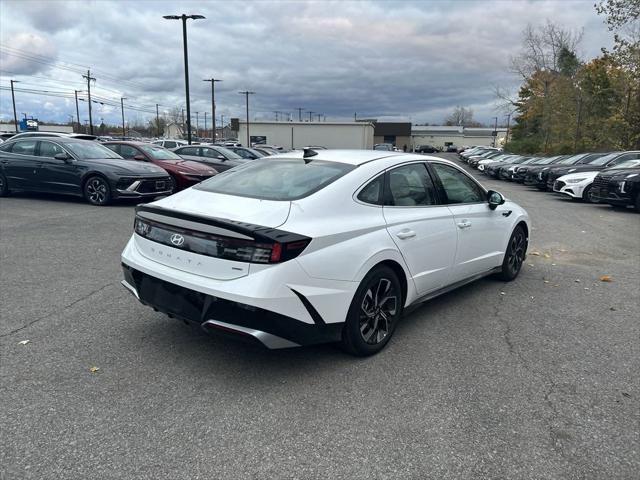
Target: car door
421	227
53	175
480	231
20	164
214	158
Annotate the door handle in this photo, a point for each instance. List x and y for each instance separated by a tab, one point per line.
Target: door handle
464	224
404	234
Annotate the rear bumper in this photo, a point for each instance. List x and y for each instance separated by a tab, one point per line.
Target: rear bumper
219	315
282	300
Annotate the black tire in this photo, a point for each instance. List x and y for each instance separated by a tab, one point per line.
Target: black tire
97	191
4	186
374	313
514	256
586	195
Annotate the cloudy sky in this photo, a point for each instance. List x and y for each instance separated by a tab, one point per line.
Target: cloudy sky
382	59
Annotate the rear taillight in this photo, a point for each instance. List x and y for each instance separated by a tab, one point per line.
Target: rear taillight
229	248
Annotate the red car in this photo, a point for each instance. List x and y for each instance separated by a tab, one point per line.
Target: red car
184	173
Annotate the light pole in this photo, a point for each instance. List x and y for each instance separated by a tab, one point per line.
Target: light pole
246	94
213	106
205	123
77	109
122	99
184	18
310	114
158	120
13	99
197	124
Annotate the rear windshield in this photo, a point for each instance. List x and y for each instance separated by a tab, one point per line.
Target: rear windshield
159	153
276	179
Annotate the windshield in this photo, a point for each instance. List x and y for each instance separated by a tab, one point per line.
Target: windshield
546	161
276	179
570	160
159	153
213	152
88	150
628	164
605	159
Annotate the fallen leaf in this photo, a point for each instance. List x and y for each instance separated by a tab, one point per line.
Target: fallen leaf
577	280
23	342
94	369
606	278
562	250
537	254
530	264
502	293
546	281
546	255
586	288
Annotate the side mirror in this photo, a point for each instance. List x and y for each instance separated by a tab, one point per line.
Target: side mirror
140	158
63	156
494	199
221	157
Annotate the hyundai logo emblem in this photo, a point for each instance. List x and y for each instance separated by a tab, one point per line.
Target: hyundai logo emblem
177	239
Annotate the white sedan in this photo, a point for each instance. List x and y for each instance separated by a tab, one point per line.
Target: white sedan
320	246
576	185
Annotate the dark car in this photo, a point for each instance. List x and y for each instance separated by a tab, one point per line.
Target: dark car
492	169
184	173
426	149
619	186
538	178
591	163
521	172
220	158
76	167
247	153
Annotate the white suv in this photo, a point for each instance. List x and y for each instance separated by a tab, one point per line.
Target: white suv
326	246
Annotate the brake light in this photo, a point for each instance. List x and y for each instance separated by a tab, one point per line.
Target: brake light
218	246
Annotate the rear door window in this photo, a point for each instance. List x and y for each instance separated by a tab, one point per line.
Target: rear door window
411	186
49	149
24	147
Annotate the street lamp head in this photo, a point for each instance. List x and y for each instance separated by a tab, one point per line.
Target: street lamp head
180	17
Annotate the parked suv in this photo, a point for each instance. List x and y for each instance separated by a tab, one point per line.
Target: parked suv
618	186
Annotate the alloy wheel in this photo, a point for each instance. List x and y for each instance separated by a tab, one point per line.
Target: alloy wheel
516	251
96	191
377	311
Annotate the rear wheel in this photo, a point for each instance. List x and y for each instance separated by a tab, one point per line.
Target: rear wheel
514	256
4	186
374	313
97	191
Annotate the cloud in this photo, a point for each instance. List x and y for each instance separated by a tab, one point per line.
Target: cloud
397	59
15	62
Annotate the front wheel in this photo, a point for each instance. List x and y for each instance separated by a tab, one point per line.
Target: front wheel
374	313
587	195
97	191
514	256
4	186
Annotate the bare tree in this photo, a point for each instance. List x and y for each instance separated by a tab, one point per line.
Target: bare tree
460	116
542	48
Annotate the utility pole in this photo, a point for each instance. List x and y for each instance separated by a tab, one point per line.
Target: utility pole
246	94
89	78
222	123
13	99
299	113
495	131
355	117
319	116
213	106
197	123
310	113
158	120
205	123
184	18
77	109
276	112
508	127
122	99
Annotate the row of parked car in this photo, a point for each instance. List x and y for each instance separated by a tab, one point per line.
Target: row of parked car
102	171
602	177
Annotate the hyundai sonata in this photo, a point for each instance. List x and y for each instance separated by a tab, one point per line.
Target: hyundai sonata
327	246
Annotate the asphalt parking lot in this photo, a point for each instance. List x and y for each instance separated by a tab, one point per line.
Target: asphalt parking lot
537	378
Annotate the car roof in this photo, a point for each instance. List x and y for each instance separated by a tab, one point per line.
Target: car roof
357	157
